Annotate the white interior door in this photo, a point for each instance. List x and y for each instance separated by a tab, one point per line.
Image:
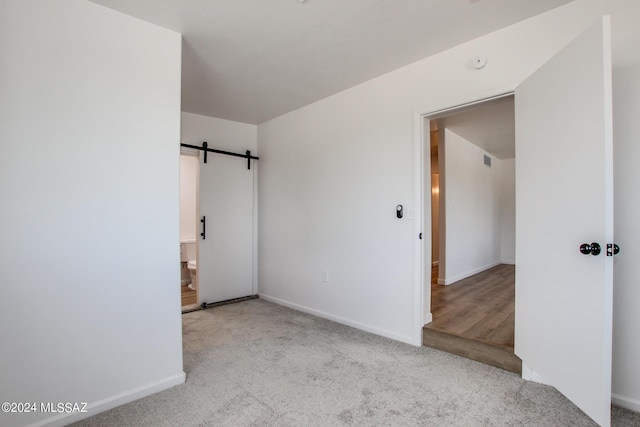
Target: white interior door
225	254
564	190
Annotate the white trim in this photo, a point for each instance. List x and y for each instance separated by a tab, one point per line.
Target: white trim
254	279
420	250
509	262
341	320
529	374
468	273
537	378
186	151
526	372
428	318
436	109
119	399
448	110
419	292
625	402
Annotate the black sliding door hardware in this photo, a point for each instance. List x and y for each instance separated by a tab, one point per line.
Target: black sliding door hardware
206	149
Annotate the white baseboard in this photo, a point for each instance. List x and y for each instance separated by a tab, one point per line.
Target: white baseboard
428	318
338	319
102	405
531	375
509	262
616	399
625	402
470	273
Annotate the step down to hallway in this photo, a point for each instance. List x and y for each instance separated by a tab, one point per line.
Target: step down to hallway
493	355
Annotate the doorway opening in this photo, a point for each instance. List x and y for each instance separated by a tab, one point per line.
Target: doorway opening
189	196
218	226
472	182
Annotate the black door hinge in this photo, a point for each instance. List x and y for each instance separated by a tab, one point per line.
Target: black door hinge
612	249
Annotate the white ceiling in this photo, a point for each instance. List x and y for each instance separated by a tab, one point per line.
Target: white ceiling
253	60
490	126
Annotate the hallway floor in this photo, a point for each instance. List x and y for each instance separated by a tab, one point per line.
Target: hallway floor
480	307
475	317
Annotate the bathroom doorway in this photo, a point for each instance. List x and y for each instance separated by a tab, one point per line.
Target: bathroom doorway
189	189
218	224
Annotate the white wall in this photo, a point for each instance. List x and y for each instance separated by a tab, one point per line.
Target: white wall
435	218
508	211
333	172
219	134
472	209
89	131
188	197
626	133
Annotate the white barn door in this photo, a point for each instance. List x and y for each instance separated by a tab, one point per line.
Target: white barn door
225	252
564	187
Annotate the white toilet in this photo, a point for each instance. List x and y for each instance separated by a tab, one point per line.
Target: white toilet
192	266
185	277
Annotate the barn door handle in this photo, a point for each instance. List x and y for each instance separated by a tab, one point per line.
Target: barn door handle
593	249
204	227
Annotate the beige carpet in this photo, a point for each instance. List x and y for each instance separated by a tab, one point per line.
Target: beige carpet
259	364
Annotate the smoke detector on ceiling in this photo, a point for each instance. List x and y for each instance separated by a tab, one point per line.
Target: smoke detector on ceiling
479	62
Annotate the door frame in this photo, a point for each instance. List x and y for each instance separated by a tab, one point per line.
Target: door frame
254	280
422	205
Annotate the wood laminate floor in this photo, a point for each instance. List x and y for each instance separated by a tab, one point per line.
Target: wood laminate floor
189	296
481	307
475	317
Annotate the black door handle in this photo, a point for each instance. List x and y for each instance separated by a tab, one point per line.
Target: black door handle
204	227
593	249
